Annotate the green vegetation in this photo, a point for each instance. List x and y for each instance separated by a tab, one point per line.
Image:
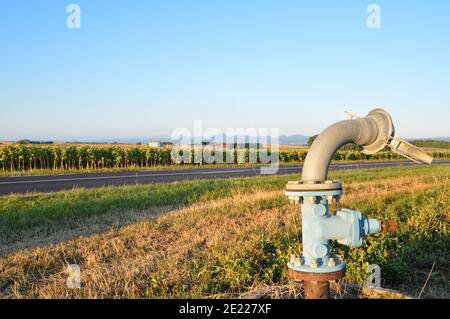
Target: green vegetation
26	142
75	158
432	144
215	238
70	157
311	139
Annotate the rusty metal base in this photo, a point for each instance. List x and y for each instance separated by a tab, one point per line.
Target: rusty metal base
316	285
316	289
311	276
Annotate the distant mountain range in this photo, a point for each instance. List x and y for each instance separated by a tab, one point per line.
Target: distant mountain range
293	139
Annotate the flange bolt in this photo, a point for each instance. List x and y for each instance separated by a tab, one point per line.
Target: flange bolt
331	262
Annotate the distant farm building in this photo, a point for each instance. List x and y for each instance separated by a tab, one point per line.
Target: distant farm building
159	144
154	144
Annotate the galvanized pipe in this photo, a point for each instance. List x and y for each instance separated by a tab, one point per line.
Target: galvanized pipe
362	131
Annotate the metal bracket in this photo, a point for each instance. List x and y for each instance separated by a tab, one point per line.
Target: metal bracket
408	150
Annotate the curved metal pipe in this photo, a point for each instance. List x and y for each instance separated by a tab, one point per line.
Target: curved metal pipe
373	132
362	131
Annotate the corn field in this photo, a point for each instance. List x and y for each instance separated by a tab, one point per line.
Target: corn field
14	158
71	157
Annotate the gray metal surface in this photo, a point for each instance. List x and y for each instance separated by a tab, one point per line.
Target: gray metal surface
373	133
360	131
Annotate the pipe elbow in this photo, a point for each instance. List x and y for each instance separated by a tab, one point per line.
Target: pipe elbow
368	132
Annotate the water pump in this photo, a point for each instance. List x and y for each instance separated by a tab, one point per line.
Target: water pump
317	266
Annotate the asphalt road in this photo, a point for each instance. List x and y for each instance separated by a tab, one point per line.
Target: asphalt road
53	183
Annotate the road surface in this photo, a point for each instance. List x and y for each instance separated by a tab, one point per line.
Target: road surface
53	183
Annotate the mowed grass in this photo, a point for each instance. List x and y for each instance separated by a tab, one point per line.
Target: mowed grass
215	238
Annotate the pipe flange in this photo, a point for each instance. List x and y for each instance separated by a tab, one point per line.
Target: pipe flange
331	190
323	265
385	131
313	186
311	276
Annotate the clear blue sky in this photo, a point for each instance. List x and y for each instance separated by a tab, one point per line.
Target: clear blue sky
139	68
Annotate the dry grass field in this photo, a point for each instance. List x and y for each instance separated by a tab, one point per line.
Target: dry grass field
212	239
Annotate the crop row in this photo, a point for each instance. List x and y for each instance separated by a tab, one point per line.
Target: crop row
76	157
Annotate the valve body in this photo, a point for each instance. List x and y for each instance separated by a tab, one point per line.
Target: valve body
320	226
317	265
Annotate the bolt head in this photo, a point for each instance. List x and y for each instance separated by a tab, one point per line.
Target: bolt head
331	262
